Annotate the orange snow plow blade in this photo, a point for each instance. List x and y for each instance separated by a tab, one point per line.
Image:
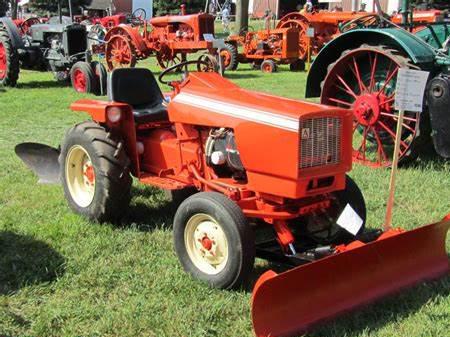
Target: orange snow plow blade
290	303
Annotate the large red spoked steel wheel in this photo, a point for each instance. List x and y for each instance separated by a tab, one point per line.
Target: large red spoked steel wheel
9	61
166	58
120	52
296	20
363	80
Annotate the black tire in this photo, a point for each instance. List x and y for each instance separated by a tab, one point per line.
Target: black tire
90	83
298	65
331	233
11	76
233	54
100	77
110	163
239	236
268	66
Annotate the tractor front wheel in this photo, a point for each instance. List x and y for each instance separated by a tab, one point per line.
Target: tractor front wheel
95	172
364	80
82	78
229	55
268	66
213	240
9	61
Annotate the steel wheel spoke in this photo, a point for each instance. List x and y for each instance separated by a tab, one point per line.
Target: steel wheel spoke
392	134
395	116
357	74
335	100
388	79
372	73
348	89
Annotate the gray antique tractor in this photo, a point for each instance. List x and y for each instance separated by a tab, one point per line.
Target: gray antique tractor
59	46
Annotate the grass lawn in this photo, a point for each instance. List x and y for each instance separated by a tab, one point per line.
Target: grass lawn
61	275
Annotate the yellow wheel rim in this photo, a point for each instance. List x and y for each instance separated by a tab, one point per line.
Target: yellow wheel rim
206	243
80	176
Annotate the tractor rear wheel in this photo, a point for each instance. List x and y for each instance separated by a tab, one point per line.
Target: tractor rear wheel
83	78
229	55
120	52
268	66
364	80
9	61
213	240
95	172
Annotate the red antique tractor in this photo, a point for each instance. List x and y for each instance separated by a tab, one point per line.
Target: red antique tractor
295	204
325	25
169	39
264	49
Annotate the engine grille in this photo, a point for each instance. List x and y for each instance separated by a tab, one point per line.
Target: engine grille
320	141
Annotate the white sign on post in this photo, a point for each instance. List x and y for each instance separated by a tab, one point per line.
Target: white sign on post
310	32
410	89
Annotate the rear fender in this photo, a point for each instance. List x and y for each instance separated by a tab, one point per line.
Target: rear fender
133	34
420	53
125	126
13	32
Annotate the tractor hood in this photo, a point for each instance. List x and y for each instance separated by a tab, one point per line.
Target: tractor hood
283	143
219	102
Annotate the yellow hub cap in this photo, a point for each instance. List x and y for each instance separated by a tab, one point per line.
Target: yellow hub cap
206	244
80	176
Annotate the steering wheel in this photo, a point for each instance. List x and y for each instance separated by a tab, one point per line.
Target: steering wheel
138	16
177	67
365	21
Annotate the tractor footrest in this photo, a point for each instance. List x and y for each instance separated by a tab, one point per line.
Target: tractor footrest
161	182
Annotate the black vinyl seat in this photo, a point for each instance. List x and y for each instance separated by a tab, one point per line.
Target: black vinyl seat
138	88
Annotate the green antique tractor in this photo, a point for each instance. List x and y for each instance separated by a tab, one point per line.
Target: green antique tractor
358	70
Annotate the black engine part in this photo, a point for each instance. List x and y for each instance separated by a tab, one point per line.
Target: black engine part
439	107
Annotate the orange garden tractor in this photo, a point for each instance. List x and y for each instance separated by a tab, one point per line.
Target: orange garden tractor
271	181
264	49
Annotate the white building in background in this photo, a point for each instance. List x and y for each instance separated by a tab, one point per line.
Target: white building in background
388	6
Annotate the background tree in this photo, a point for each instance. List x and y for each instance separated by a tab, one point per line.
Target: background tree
242	15
162	7
42	7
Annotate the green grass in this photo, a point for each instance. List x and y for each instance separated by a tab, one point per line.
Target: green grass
61	275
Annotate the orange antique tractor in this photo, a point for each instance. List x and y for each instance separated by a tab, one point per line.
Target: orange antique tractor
264	49
169	38
271	177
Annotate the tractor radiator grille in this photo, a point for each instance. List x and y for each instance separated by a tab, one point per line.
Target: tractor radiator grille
320	141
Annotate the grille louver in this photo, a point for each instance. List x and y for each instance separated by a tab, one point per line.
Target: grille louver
320	141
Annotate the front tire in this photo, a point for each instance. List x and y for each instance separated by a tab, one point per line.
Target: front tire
82	78
213	240
95	173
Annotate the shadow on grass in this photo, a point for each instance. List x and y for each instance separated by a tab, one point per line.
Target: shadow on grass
42	85
26	261
427	160
239	75
149	210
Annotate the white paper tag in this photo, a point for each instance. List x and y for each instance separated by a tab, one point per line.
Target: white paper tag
350	220
410	89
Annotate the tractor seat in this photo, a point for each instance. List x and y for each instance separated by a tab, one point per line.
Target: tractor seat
138	88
